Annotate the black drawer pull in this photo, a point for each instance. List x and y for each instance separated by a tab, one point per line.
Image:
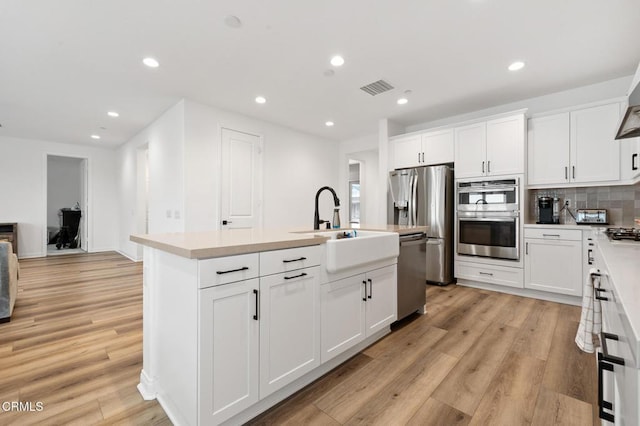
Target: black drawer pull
244	268
255	292
304	274
364	283
602	404
370	288
294	260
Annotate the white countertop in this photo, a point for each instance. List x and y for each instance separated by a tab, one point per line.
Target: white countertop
563	226
623	263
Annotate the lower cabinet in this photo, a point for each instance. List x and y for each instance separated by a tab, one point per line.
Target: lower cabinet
356	307
492	274
289	327
553	261
228	351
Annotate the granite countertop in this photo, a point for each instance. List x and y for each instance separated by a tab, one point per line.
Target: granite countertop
622	260
229	242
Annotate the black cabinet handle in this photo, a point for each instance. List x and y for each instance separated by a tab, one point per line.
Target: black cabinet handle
573	171
604	355
370	288
590	257
526	248
602	404
566	173
483	167
418	157
423	157
304	274
489	166
634	165
255	293
364	283
294	260
244	268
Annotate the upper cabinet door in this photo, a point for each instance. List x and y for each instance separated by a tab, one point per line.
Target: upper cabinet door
505	146
407	152
438	147
595	154
470	150
548	149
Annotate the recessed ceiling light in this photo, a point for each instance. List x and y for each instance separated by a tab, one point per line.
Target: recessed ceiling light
151	62
113	114
518	65
337	61
329	123
232	21
402	101
260	99
95	137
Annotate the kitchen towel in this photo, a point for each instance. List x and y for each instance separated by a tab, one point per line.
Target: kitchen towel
591	318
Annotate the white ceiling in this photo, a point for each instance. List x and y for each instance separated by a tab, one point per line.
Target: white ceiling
65	63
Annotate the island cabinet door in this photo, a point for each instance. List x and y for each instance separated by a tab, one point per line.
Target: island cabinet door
342	311
228	350
382	292
289	327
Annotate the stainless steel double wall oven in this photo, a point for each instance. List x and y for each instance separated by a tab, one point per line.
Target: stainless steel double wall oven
489	218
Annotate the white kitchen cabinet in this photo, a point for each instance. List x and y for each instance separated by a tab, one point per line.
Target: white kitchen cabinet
229	350
355	308
289	327
423	149
553	261
629	159
407	151
492	274
491	148
574	147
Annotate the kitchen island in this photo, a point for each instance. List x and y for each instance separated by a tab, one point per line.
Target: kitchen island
237	320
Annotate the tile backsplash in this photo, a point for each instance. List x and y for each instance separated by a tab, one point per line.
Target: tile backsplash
622	202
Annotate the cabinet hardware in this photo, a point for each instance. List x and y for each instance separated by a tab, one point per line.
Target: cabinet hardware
304	274
551	235
418	158
566	173
573	171
489	166
598	289
294	260
602	404
483	167
526	248
255	293
244	268
634	165
370	288
364	283
423	157
226	222
605	355
486	273
589	256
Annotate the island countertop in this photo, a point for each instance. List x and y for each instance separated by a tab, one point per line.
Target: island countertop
229	242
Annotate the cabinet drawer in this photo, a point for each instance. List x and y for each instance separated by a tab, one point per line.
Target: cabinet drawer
511	277
223	270
277	261
553	234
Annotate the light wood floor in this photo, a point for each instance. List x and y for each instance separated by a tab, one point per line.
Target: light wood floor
477	357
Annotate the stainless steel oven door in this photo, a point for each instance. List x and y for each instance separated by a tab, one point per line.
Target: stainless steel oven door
491	234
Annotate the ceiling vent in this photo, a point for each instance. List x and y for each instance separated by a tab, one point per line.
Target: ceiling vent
377	87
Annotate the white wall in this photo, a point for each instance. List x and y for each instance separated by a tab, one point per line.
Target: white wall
582	95
184	174
295	166
164	139
63	186
22	185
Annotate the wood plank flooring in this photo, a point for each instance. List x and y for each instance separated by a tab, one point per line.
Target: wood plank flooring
476	357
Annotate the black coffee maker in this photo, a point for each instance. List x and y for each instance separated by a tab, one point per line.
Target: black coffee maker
545	210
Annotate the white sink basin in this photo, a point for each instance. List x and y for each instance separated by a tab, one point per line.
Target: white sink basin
366	247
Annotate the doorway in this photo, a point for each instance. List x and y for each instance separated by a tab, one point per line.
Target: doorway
354	192
66	206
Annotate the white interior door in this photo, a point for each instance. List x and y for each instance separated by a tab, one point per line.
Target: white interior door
241	191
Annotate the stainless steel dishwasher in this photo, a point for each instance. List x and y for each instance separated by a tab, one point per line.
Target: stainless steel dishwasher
412	272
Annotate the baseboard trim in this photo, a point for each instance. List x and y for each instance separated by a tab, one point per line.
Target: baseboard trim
524	292
128	256
147	387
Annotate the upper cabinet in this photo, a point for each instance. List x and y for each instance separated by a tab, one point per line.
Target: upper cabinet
490	148
423	149
575	147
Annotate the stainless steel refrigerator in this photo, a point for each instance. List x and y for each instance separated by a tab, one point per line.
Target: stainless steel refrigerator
424	196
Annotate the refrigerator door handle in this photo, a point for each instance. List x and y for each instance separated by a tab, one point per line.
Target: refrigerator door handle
414	200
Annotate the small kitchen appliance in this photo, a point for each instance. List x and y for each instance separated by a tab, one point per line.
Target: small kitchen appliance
632	234
545	210
591	217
